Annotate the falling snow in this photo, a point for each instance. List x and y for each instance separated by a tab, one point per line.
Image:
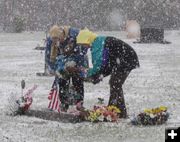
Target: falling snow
155	83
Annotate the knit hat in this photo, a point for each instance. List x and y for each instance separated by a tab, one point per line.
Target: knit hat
86	37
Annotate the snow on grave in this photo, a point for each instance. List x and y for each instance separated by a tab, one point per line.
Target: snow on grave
99	113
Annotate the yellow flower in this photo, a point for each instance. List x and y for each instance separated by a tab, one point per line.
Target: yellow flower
156	110
148	111
98	111
163	108
113	108
93	116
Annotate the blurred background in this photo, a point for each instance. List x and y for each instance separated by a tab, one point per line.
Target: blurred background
106	15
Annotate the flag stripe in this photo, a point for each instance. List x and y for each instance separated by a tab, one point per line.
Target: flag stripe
53	98
51	94
56	103
55	93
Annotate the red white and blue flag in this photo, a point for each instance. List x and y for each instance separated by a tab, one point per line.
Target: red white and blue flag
54	102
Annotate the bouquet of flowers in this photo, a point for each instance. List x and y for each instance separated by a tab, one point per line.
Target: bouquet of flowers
25	101
155	116
103	113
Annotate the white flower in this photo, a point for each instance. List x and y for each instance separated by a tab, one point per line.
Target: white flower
109	118
163	113
152	115
101	118
22	104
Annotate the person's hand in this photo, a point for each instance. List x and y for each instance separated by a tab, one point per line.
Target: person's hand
96	79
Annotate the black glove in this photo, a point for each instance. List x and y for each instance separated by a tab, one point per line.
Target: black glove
96	79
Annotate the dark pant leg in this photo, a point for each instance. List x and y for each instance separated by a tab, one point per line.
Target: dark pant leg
63	93
116	92
78	85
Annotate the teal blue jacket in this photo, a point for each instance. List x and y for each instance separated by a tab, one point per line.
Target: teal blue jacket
97	49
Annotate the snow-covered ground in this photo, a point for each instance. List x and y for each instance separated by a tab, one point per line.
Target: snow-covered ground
155	83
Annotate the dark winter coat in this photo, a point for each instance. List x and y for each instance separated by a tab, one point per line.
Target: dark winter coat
121	55
109	53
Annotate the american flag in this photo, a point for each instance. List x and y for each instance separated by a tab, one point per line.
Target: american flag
53	97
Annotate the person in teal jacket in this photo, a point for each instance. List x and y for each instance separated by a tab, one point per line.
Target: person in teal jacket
110	56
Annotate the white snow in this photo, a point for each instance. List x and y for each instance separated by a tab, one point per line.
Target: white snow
155	83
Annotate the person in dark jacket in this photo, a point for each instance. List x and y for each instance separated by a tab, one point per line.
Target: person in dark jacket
63	51
110	56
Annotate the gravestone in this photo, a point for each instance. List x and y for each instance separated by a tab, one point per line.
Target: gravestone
132	29
152	35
